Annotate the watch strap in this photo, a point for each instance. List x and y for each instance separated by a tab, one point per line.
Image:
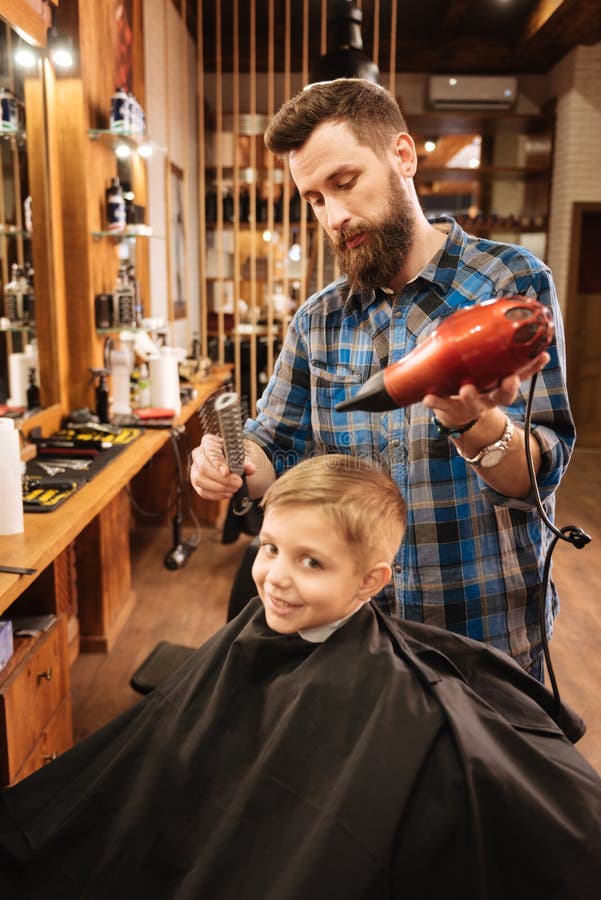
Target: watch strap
453	432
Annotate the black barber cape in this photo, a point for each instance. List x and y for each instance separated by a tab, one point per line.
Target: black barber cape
391	761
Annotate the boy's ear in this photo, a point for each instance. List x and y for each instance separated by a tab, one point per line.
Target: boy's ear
374	580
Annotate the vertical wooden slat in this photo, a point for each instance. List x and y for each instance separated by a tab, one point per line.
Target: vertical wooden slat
319	238
218	294
253	192
168	197
186	161
202	186
287	50
376	34
236	189
392	32
323	28
303	236
285	196
270	185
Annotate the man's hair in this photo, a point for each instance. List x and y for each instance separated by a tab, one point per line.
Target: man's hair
359	495
370	112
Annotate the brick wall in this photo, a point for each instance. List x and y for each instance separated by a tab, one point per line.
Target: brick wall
576	83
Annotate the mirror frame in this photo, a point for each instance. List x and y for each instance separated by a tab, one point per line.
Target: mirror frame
47	233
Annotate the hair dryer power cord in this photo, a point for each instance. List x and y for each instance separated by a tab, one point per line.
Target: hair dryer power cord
570	533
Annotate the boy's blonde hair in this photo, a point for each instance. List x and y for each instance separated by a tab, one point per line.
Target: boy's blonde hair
358	494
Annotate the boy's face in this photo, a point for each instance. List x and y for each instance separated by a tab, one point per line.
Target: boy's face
305	572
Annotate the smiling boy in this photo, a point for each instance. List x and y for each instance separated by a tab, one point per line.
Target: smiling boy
314	748
330	532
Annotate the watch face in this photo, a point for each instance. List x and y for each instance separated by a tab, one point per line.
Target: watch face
492	457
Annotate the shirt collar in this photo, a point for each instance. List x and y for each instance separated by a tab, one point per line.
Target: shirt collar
321	633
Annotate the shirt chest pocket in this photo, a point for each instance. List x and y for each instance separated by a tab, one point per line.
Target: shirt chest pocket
331	385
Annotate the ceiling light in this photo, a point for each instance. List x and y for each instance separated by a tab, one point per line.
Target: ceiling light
26	57
345	57
429	146
60	49
122	151
295	253
145	150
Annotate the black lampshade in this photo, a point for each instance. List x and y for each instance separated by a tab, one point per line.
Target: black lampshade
345	57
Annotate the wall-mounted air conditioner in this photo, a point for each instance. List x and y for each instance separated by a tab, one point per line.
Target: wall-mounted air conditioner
472	91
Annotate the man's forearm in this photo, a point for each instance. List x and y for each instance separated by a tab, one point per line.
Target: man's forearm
510	477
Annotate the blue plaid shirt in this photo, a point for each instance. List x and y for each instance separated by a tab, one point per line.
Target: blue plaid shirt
471	560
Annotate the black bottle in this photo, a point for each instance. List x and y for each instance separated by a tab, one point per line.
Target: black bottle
33	391
102	395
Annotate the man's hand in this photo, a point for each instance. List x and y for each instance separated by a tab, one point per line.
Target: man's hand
209	473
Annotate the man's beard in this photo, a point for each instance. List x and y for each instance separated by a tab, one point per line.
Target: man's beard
384	251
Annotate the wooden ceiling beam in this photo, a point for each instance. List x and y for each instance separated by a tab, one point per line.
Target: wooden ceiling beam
558	23
538	18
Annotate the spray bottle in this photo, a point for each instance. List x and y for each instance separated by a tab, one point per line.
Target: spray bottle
102	394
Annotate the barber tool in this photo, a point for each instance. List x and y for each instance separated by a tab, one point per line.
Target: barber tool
76	443
60	452
17	570
94	428
60	466
45	494
479	345
229	415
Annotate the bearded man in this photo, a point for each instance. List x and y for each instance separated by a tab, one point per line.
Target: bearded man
472	559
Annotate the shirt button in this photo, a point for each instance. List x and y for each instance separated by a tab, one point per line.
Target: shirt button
397	568
395	442
399	314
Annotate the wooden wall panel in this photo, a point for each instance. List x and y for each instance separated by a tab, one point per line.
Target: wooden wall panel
86	168
29	16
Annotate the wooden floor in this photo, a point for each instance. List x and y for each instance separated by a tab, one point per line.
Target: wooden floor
186	606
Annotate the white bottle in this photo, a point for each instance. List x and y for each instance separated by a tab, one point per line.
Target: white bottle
121	365
11	479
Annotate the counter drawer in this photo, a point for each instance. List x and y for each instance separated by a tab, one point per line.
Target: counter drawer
56	737
30	693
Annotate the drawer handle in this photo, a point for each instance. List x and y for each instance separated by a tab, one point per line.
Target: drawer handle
49	757
47	675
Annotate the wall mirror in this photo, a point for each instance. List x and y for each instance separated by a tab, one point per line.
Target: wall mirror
18	342
28	350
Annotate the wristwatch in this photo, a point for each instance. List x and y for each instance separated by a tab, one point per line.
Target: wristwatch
492	454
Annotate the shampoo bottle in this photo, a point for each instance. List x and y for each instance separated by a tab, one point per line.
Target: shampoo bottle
11	479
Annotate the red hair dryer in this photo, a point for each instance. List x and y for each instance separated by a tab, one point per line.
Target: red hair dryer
478	345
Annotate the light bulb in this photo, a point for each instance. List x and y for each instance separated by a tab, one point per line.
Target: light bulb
26	57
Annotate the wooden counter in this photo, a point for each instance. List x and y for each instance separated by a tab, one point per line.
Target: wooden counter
96	521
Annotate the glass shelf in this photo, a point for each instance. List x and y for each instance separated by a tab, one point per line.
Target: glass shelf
13	231
118	329
132	138
19	135
135	232
7	325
